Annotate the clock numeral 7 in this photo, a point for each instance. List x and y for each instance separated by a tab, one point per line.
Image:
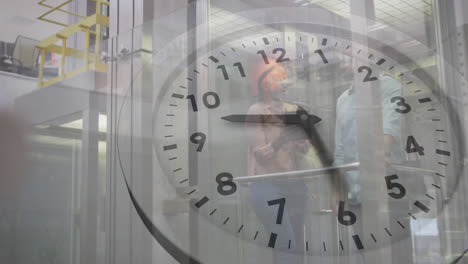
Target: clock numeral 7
395	185
225	73
281	202
211	104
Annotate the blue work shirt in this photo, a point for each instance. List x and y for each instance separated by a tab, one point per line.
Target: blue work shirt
346	141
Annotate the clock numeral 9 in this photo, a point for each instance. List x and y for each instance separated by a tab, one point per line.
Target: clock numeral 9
417	148
225	184
206	100
392	185
200	139
281	57
404	107
346	217
281	202
225	73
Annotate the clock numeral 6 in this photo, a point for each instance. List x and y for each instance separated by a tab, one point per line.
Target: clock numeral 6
391	185
209	103
200	139
404	107
346	217
225	184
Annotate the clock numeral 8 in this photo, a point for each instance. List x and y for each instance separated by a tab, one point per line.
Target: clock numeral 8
225	184
346	217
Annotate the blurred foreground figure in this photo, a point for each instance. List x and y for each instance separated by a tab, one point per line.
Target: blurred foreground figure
12	155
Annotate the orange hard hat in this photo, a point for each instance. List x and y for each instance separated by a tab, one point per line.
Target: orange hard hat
266	77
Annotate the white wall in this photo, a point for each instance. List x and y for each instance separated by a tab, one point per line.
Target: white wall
12	86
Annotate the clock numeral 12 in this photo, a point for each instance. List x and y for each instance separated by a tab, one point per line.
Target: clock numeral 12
280	59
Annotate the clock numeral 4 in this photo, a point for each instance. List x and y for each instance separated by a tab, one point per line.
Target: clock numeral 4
413	146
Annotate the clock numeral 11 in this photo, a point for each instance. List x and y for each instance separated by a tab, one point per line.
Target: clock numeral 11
225	73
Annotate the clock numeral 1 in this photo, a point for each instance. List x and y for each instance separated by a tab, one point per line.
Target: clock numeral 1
322	55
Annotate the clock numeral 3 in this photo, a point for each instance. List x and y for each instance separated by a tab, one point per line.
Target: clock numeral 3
392	185
405	108
225	184
346	217
211	104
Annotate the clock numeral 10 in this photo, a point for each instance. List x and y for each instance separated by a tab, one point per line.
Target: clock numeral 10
225	73
211	104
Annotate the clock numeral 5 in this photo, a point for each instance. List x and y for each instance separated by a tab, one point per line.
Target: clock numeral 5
392	185
346	217
211	104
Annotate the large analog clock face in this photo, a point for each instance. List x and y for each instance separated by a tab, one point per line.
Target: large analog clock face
265	138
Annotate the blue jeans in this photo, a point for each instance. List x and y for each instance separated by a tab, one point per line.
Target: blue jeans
292	225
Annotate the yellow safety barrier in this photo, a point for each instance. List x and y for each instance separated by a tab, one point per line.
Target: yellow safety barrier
91	61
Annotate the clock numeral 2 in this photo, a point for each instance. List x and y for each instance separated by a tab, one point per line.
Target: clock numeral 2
368	77
206	101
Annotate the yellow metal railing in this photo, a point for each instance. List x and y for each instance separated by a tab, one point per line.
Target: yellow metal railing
91	61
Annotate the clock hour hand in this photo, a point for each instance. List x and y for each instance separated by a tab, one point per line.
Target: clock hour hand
288	119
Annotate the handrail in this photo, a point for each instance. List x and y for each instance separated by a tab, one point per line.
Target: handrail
91	61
